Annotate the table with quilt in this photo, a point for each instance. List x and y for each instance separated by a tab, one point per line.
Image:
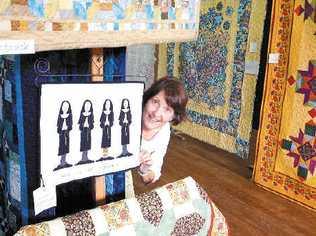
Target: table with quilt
178	208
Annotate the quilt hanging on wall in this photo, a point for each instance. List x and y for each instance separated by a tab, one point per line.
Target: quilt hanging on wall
140	61
12	175
71	24
286	155
91	133
221	91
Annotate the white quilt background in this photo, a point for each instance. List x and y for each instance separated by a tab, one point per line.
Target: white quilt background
52	96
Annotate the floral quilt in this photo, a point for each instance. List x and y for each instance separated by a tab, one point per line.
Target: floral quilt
179	208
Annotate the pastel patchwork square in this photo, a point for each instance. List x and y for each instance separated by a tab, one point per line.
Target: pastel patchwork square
5	25
178	192
117	215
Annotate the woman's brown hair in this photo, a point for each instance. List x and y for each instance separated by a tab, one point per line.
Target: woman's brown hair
174	94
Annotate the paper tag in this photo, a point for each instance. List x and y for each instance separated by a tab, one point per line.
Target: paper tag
252	67
44	198
17	46
274	58
253	47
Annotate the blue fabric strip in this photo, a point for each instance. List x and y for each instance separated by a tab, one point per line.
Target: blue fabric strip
109	185
114	64
119	187
20	127
114	70
170	58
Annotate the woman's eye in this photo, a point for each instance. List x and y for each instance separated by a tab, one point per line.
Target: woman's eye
155	101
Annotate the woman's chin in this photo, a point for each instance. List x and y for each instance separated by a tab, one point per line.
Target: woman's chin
153	126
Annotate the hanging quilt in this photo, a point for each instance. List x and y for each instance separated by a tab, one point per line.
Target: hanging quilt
91	133
12	165
140	63
66	24
286	155
213	68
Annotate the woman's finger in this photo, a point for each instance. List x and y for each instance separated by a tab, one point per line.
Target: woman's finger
143	155
146	162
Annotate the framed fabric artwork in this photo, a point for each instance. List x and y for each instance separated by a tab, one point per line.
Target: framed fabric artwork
89	129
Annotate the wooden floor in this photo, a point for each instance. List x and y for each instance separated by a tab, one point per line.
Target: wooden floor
249	210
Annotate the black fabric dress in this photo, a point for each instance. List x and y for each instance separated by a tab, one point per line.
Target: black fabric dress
125	126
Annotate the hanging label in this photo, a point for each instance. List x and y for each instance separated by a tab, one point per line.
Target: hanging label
252	67
253	47
274	58
44	198
17	46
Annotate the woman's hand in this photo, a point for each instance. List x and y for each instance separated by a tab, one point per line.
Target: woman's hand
146	161
149	177
145	158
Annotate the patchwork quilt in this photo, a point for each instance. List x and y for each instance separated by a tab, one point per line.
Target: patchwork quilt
221	89
12	174
67	24
180	208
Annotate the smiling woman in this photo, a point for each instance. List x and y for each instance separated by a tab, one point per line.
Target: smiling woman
164	103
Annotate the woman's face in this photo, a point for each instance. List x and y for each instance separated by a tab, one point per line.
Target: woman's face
157	112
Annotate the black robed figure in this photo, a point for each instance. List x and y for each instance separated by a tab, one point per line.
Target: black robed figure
64	126
106	123
86	124
125	120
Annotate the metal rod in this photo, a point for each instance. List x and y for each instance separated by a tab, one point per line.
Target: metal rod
84	75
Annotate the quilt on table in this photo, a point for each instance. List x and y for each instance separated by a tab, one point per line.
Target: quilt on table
66	24
286	158
180	208
221	92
